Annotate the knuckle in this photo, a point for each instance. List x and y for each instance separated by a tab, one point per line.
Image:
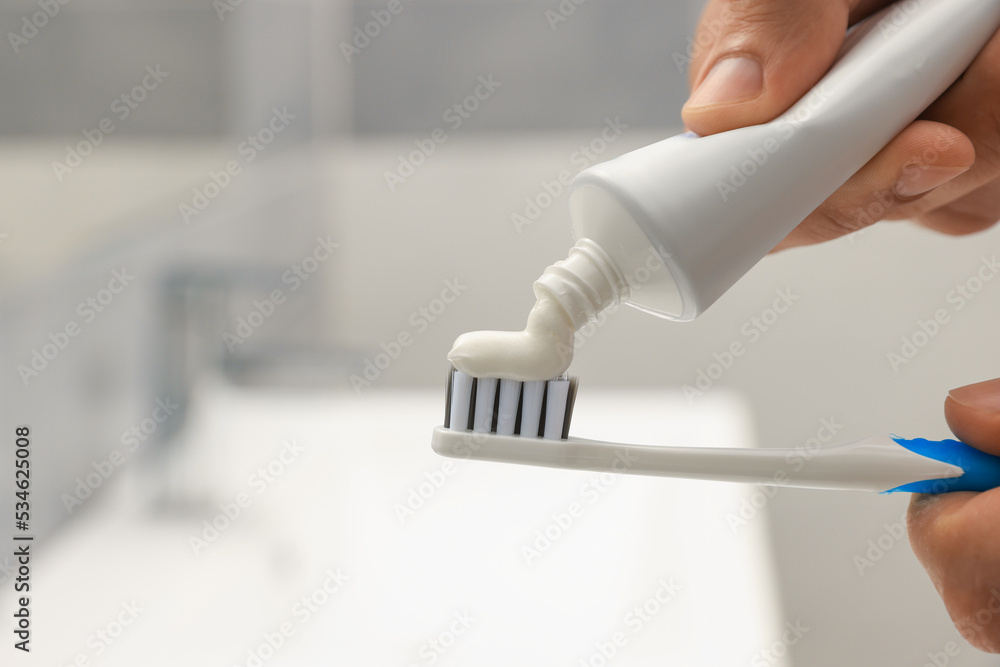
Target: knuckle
830	221
790	18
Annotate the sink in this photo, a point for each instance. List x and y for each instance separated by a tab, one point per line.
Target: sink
319	528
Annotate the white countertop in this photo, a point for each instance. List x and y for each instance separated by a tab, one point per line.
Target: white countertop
461	576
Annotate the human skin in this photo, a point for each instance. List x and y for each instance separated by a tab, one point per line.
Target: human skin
753	59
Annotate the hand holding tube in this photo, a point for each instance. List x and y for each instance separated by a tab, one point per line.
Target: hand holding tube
753	60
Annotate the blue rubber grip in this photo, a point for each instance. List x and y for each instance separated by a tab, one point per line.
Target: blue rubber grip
982	470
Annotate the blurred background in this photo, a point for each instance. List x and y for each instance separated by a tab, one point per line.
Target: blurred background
241	234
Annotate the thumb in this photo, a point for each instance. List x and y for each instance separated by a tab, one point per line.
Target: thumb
973	414
954	535
755	59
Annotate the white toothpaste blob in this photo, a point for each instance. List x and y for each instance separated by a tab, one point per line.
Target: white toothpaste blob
569	294
542	351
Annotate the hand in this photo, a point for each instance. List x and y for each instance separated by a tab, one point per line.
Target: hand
753	60
955	536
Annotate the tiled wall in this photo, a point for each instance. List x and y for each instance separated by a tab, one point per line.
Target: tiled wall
557	70
65	78
605	58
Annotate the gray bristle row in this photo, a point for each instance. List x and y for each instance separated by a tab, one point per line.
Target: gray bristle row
539	409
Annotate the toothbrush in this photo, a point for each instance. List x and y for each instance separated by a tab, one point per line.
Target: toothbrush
670	227
508	421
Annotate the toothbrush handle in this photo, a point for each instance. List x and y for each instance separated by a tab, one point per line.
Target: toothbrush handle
881	463
981	470
877	464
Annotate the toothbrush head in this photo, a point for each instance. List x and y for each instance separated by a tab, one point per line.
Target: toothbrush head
537	409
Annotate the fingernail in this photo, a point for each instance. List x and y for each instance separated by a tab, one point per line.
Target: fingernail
918	179
731	79
982	396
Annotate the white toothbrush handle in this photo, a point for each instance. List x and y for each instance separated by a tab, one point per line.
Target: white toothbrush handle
873	464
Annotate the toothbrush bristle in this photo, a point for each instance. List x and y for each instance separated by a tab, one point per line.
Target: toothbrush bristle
461	401
510	399
557	393
531	408
537	409
486	394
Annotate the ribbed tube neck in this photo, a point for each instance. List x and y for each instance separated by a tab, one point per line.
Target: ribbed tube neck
585	284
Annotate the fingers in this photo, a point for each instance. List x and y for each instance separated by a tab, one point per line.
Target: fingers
973	414
759	58
971	202
954	538
954	535
970	213
755	59
919	159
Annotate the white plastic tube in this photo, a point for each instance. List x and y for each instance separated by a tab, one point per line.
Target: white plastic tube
707	209
670	227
